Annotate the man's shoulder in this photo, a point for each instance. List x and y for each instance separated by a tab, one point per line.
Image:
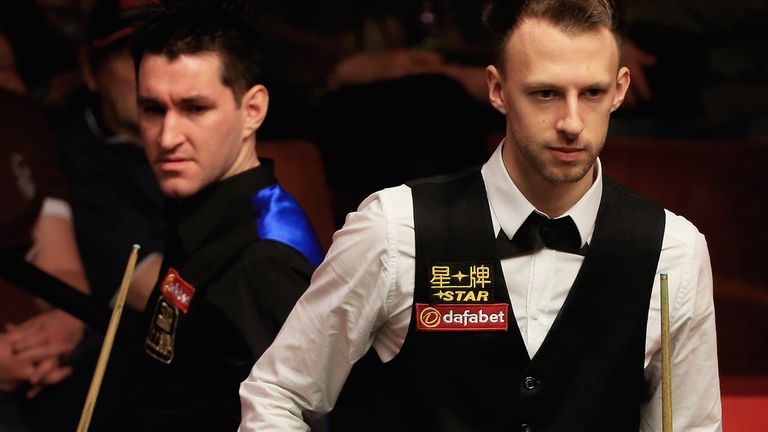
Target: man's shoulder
445	177
628	193
270	259
388	206
263	272
677	227
680	230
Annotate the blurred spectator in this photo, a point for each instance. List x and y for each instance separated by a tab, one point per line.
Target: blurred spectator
113	188
114	195
46	35
36	222
397	87
9	78
716	50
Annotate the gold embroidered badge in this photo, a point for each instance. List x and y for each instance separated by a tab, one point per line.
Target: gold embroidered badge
162	331
461	283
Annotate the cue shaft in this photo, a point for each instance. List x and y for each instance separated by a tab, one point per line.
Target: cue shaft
106	347
666	363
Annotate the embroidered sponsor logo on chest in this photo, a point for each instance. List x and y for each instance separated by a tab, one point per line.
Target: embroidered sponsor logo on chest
461	282
176	296
462	317
161	336
177	290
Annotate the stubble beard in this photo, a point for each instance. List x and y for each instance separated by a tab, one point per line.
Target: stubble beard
536	156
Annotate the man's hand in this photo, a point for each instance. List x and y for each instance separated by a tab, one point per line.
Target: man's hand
45	340
472	78
367	67
13	370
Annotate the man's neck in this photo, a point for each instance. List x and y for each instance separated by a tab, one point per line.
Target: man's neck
246	159
553	199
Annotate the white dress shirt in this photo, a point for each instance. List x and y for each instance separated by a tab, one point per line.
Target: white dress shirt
362	294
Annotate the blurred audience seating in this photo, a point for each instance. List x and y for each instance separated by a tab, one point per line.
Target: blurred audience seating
299	168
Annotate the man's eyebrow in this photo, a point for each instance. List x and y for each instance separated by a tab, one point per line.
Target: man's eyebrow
146	100
191	100
599	84
195	100
541	85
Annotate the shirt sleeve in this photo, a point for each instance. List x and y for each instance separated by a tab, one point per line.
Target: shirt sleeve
332	326
695	379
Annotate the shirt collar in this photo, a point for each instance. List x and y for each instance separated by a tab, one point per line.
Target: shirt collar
510	208
218	206
101	131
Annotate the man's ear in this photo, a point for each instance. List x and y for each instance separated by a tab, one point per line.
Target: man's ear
254	105
622	85
86	70
495	94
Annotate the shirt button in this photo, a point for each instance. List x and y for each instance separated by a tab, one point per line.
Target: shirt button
530	383
526	428
535	316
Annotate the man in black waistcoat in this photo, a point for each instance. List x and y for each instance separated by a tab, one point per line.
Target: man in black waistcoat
523	295
240	250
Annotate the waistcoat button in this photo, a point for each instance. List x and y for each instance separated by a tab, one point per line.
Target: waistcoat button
530	383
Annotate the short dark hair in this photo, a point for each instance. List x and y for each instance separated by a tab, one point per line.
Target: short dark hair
193	27
501	18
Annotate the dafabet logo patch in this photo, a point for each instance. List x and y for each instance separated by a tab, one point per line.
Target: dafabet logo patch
452	317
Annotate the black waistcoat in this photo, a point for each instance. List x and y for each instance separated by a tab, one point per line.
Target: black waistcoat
586	376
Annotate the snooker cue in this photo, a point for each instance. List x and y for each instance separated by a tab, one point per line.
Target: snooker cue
666	364
106	347
25	276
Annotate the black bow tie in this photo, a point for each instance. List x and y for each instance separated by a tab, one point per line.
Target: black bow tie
538	232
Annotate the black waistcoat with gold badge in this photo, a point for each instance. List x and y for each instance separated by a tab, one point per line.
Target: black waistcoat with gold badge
464	365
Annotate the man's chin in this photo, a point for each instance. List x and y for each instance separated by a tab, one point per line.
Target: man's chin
562	176
176	190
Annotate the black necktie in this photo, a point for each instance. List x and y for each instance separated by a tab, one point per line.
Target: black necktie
538	232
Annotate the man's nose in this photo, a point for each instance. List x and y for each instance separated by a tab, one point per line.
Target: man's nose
570	123
171	135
